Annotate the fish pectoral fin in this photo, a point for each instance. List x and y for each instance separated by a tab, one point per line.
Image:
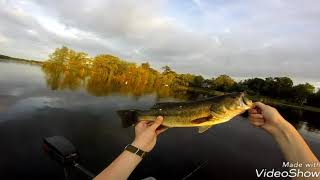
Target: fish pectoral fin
203	128
201	120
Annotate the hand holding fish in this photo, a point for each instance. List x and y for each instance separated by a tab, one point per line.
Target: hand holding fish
146	137
266	117
146	134
206	113
292	145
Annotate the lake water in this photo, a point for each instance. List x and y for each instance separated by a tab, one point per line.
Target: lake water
30	110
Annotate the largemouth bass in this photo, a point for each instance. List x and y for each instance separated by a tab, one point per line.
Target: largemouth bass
202	114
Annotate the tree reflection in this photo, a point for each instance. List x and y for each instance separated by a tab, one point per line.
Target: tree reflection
301	120
104	75
107	74
66	69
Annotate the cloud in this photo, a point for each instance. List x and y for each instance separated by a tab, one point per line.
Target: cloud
240	38
197	2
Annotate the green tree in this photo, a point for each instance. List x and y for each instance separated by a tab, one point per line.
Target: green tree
223	83
314	99
301	92
167	69
283	86
252	86
197	81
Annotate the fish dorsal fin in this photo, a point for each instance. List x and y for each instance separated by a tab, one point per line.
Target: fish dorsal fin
203	128
167	104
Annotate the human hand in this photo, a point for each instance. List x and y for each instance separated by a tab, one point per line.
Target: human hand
146	134
266	117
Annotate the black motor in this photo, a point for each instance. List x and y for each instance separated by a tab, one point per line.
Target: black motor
63	151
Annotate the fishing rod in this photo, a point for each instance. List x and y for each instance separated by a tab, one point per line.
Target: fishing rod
64	152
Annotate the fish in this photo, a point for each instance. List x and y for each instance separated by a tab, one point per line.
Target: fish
202	114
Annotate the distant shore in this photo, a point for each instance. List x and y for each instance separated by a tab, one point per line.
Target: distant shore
300	93
4	58
313	81
267	100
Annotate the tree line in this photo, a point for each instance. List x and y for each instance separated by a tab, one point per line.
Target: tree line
105	74
273	87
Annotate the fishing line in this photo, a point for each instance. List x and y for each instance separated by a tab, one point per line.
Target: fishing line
196	169
66	173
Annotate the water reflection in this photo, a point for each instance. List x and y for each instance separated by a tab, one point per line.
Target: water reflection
302	120
31	111
106	75
103	77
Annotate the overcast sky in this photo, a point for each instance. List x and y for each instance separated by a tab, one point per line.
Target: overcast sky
239	38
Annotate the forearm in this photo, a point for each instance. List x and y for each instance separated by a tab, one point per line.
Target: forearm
121	167
293	146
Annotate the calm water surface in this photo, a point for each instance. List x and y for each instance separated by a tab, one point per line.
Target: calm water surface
29	111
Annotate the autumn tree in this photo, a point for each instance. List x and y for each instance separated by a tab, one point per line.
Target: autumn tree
105	74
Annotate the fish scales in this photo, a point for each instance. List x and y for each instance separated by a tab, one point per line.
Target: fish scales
203	113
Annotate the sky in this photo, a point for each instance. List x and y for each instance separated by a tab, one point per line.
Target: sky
240	38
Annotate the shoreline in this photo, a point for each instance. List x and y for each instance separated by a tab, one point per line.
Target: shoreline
21	61
267	100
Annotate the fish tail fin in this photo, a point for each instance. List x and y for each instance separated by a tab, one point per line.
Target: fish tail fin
128	117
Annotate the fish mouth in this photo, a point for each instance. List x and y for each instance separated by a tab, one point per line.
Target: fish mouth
245	101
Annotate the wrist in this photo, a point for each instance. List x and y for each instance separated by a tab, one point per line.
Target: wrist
131	155
135	150
140	146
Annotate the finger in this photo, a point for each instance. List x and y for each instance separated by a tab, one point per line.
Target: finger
156	123
256	116
257	123
256	120
149	123
253	111
260	105
142	124
159	131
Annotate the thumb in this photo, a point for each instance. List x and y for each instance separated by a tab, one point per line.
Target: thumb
260	105
156	123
